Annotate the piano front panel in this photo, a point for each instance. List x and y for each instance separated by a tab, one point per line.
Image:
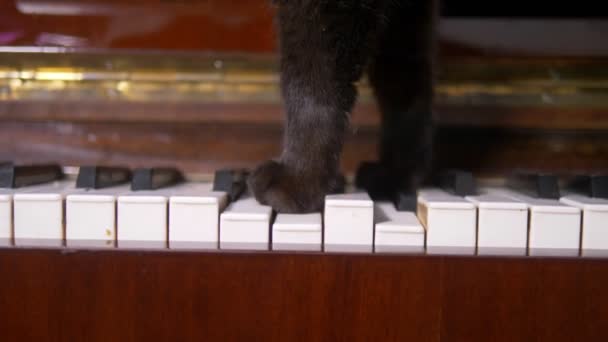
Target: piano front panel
101	295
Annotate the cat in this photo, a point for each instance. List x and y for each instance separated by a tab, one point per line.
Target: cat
325	47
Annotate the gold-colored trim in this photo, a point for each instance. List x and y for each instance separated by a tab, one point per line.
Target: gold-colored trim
198	78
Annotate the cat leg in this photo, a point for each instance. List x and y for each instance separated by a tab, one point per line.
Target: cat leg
401	73
324	47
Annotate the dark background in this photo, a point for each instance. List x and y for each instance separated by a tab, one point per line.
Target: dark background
524	8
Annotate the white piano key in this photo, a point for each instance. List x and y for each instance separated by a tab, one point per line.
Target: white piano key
245	224
91	217
194	212
502	225
38	213
397	231
594	224
6	217
297	232
450	222
553	227
349	222
142	219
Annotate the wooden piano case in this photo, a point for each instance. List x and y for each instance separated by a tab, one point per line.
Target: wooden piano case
272	296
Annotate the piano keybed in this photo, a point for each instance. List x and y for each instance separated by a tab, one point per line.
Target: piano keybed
191	215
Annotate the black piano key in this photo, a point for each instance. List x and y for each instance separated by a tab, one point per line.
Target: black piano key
231	181
99	177
406	201
458	182
375	178
590	185
535	184
155	178
12	176
366	174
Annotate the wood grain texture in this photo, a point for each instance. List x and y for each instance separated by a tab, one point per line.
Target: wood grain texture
524	300
219	296
364	114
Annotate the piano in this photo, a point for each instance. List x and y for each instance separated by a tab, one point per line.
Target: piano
125	146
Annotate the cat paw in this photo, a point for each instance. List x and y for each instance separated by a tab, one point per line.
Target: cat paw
274	184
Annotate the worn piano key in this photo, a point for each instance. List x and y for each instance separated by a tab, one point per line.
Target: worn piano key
594	186
502	225
297	232
535	185
12	176
99	177
594	237
458	182
91	216
245	224
553	227
91	212
397	231
155	178
6	217
450	222
39	213
232	182
349	222
194	212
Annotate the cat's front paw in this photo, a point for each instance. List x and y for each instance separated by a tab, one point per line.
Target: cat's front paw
275	184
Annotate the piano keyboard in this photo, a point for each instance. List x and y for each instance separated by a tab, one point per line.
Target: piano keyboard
553	227
157	208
